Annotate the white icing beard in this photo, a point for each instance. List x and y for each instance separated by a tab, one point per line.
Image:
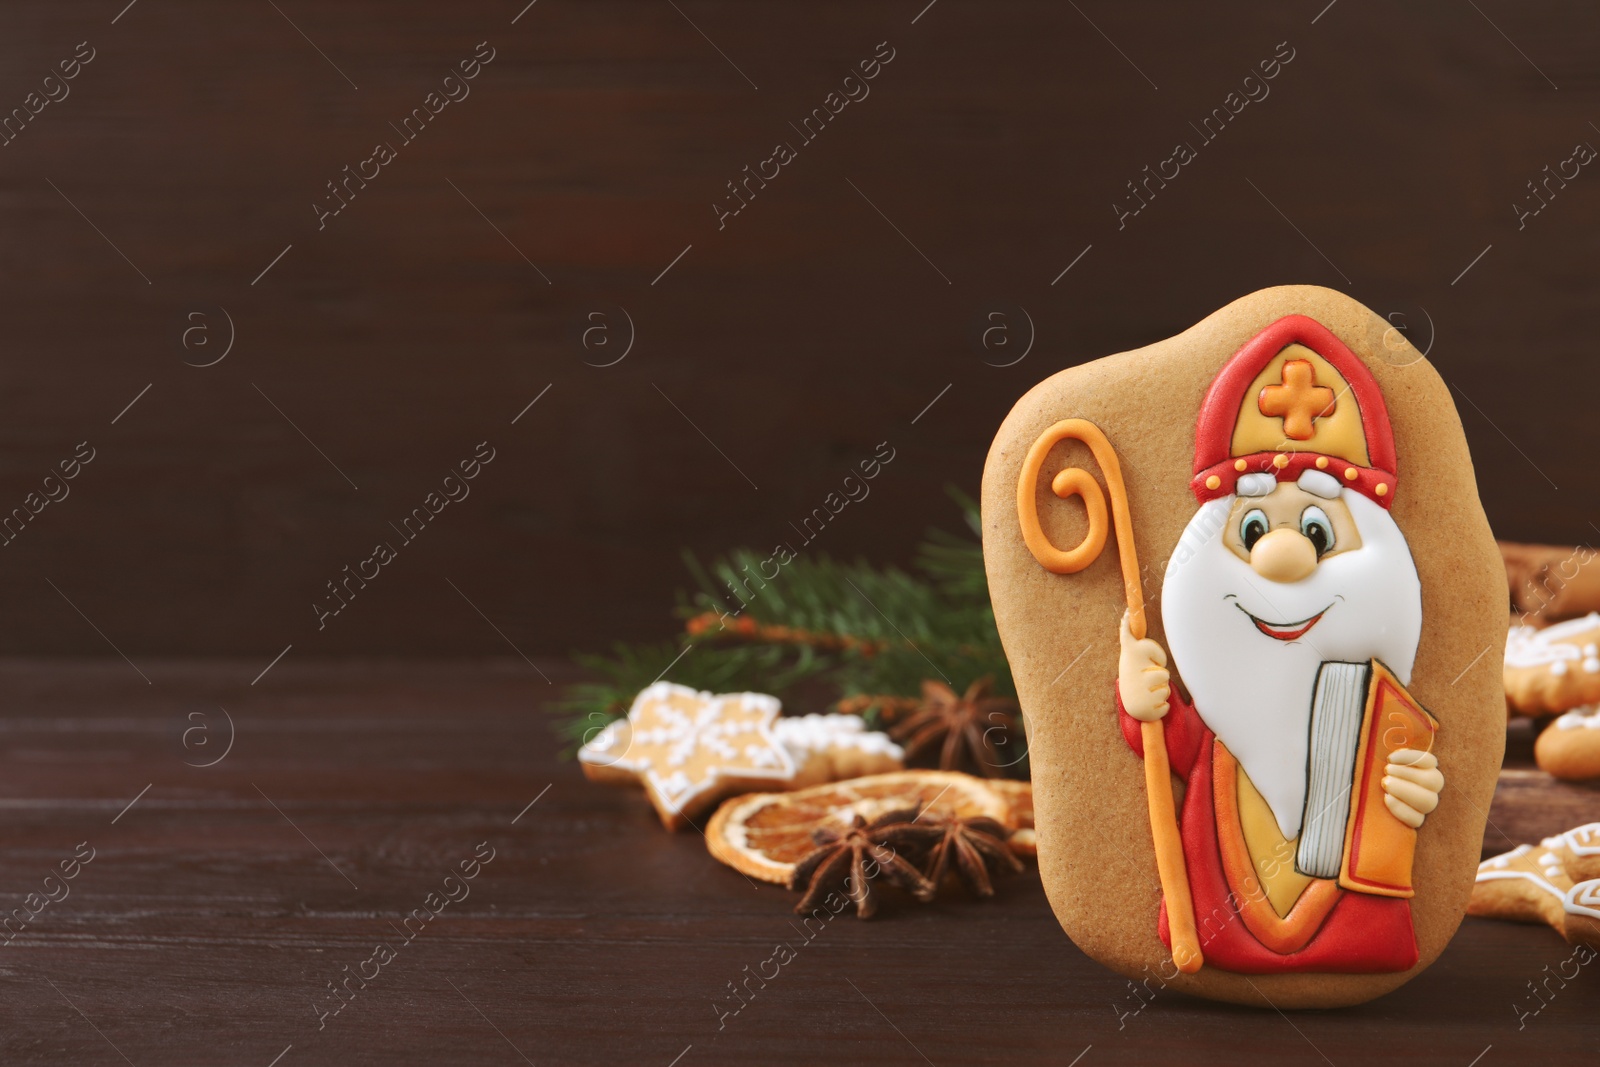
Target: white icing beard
1253	691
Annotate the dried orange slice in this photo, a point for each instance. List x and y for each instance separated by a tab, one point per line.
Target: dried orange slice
1020	797
766	834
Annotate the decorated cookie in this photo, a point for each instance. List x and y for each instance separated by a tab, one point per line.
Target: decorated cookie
1556	882
1580	852
691	749
1528	885
1570	747
1552	670
1551	582
1582	905
828	748
1293	624
599	755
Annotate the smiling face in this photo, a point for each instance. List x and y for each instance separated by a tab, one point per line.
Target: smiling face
1284	536
1265	587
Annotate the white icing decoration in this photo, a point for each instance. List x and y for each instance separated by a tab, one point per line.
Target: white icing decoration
1559	667
1584	718
1583	840
1257	484
1499	867
1530	647
1502	860
760	757
807	735
1254	691
736	729
1320	483
742	730
598	748
1583	899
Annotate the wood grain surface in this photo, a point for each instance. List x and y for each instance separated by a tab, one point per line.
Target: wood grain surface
904	251
220	904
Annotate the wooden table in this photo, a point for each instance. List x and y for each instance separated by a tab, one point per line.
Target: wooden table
221	902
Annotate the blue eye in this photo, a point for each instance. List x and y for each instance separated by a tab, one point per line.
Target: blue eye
1318	528
1253	527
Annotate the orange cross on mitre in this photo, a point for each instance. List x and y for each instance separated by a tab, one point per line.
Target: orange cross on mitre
1299	400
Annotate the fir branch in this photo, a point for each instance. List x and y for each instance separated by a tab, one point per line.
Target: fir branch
755	623
955	563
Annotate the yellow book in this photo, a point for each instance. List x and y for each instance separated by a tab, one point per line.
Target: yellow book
1378	848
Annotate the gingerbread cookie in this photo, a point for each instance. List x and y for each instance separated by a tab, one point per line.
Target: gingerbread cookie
1582	906
1526	885
1555	669
1551	582
1292	623
830	748
1580	852
1553	882
1570	747
691	750
598	754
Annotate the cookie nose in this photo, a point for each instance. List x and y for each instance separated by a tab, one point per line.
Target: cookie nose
1284	556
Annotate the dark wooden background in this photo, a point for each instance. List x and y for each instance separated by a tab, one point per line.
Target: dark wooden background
1387	157
222	901
847	305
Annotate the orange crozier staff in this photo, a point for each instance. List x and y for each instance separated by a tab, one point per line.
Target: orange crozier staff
1157	774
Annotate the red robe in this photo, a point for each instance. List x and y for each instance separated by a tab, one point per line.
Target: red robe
1360	933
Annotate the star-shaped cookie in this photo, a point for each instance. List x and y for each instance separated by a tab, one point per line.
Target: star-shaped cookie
691	749
1552	882
1580	852
1527	884
1582	926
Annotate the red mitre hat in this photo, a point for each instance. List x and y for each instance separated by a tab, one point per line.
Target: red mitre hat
1293	399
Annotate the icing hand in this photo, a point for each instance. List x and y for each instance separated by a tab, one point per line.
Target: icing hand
1411	785
1142	677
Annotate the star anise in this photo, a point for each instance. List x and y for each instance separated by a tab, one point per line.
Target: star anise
974	849
857	858
963	729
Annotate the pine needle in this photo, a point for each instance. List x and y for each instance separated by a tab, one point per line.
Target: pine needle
841	629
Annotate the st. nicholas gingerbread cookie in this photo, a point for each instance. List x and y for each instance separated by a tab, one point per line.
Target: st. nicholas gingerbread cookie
1293	624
